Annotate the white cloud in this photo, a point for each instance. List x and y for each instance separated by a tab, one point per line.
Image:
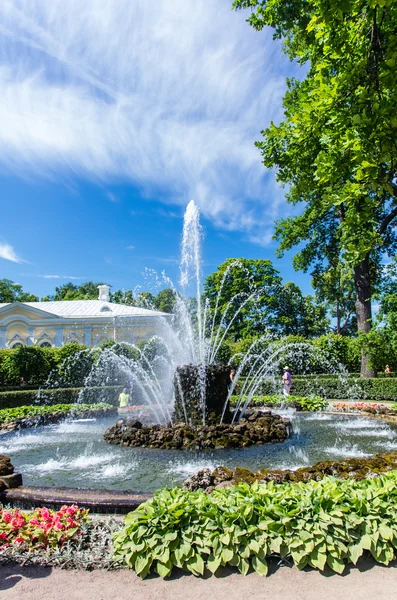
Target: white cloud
130	247
8	253
170	95
68	277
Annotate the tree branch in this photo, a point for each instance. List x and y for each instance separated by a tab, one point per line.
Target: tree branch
387	220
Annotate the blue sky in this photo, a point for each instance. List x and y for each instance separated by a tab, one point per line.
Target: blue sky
112	117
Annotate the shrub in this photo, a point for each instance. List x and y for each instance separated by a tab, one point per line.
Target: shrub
22	412
59	395
333	388
40	528
328	522
32	363
310	403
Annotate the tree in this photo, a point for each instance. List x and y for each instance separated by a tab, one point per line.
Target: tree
296	314
13	292
165	300
122	297
334	287
231	286
70	291
336	147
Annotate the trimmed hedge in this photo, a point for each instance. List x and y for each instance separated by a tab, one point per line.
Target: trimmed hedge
332	388
328	522
59	396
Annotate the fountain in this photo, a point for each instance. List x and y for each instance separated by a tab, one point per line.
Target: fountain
187	389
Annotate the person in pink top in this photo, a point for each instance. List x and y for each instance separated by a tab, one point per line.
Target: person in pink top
287	381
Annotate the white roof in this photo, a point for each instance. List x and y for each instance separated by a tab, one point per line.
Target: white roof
72	309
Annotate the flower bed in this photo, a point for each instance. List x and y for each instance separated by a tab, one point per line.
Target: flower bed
328	522
40	528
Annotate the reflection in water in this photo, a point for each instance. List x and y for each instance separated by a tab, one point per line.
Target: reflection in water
74	454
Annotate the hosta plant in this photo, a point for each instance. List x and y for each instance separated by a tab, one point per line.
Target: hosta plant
40	528
309	403
328	522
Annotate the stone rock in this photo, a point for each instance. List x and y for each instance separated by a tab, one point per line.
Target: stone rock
221	474
260	430
6	468
11	481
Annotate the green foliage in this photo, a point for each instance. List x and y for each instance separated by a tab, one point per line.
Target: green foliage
22	412
323	522
231	286
13	292
50	397
335	147
71	291
274	307
354	389
32	364
309	403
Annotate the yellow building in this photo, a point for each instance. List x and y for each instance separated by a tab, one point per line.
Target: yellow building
88	322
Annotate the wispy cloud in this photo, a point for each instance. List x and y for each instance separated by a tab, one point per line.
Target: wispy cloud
68	277
131	247
7	252
171	97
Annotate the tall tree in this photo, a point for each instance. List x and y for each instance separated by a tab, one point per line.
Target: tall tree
231	286
296	314
13	292
337	146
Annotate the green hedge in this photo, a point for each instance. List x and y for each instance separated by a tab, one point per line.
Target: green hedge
12	414
59	396
307	403
332	388
328	522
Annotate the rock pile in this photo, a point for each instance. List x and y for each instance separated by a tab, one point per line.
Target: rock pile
256	429
8	479
354	468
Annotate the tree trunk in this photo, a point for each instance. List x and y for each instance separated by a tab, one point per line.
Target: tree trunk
362	281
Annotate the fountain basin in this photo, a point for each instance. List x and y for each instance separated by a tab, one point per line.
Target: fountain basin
257	429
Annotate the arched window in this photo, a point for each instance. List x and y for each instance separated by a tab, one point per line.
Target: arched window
17	344
45	344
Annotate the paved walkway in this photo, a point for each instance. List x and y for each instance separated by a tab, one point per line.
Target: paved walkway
369	582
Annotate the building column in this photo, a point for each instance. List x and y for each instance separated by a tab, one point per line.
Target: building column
58	337
3	333
30	339
88	336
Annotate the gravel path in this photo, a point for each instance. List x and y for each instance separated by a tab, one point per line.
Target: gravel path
368	582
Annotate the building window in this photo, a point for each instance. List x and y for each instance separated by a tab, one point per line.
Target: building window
45	344
17	344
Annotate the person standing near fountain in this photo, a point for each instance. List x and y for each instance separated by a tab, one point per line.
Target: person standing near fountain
287	381
124	398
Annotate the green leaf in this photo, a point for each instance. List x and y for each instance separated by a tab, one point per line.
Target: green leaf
196	565
260	565
213	563
226	555
336	564
164	569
